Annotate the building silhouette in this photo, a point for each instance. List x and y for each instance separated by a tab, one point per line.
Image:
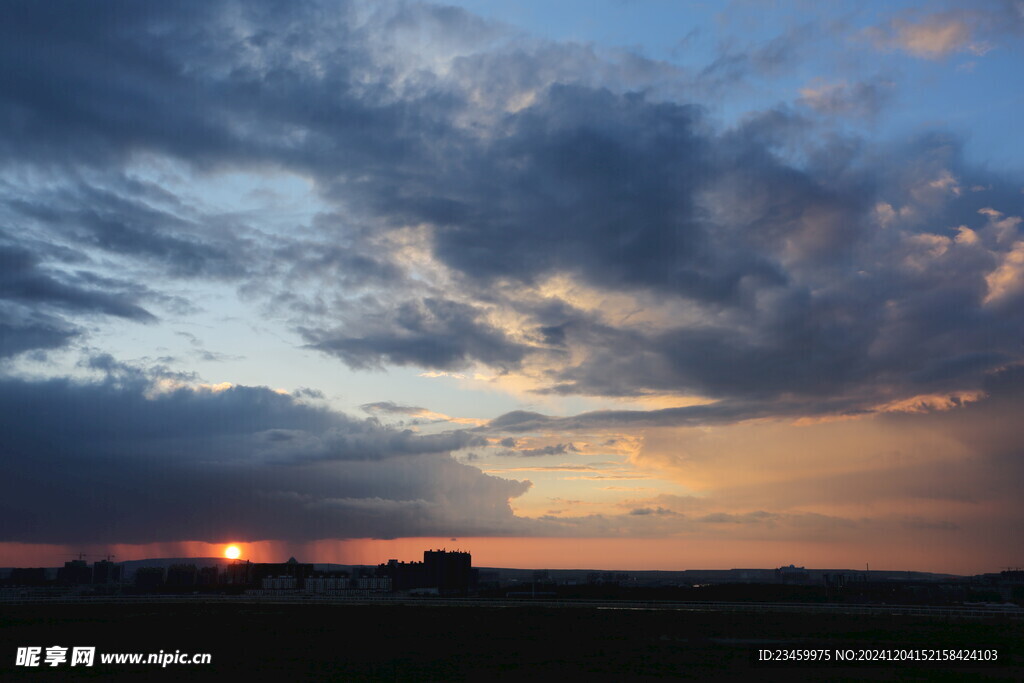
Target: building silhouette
182	575
149	578
445	571
28	576
253	573
106	572
208	576
74	573
279	583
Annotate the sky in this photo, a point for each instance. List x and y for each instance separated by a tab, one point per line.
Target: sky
603	284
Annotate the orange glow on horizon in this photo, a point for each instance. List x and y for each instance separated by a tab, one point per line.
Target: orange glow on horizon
625	554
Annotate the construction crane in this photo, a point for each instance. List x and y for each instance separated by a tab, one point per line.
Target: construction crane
81	556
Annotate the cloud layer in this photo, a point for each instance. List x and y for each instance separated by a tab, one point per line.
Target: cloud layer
130	459
564	220
493	211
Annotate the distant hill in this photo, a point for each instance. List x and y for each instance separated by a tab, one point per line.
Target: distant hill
624	576
698	576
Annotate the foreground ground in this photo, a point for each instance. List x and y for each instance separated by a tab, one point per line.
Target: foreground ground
520	642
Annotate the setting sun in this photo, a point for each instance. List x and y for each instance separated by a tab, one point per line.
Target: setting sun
232	552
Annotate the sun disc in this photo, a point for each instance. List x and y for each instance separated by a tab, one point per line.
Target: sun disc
232	552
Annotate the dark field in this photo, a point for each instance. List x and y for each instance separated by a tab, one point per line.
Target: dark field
417	643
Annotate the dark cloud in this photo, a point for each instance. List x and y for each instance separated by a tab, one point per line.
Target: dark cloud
652	511
325	264
95	86
113	462
557	449
392	408
25	330
721	412
121	460
552	210
776	253
1001	385
35	302
429	333
758	517
518	417
25	282
774	261
127	225
566	187
306	392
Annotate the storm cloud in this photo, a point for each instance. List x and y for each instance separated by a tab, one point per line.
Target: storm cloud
124	460
766	262
382	185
